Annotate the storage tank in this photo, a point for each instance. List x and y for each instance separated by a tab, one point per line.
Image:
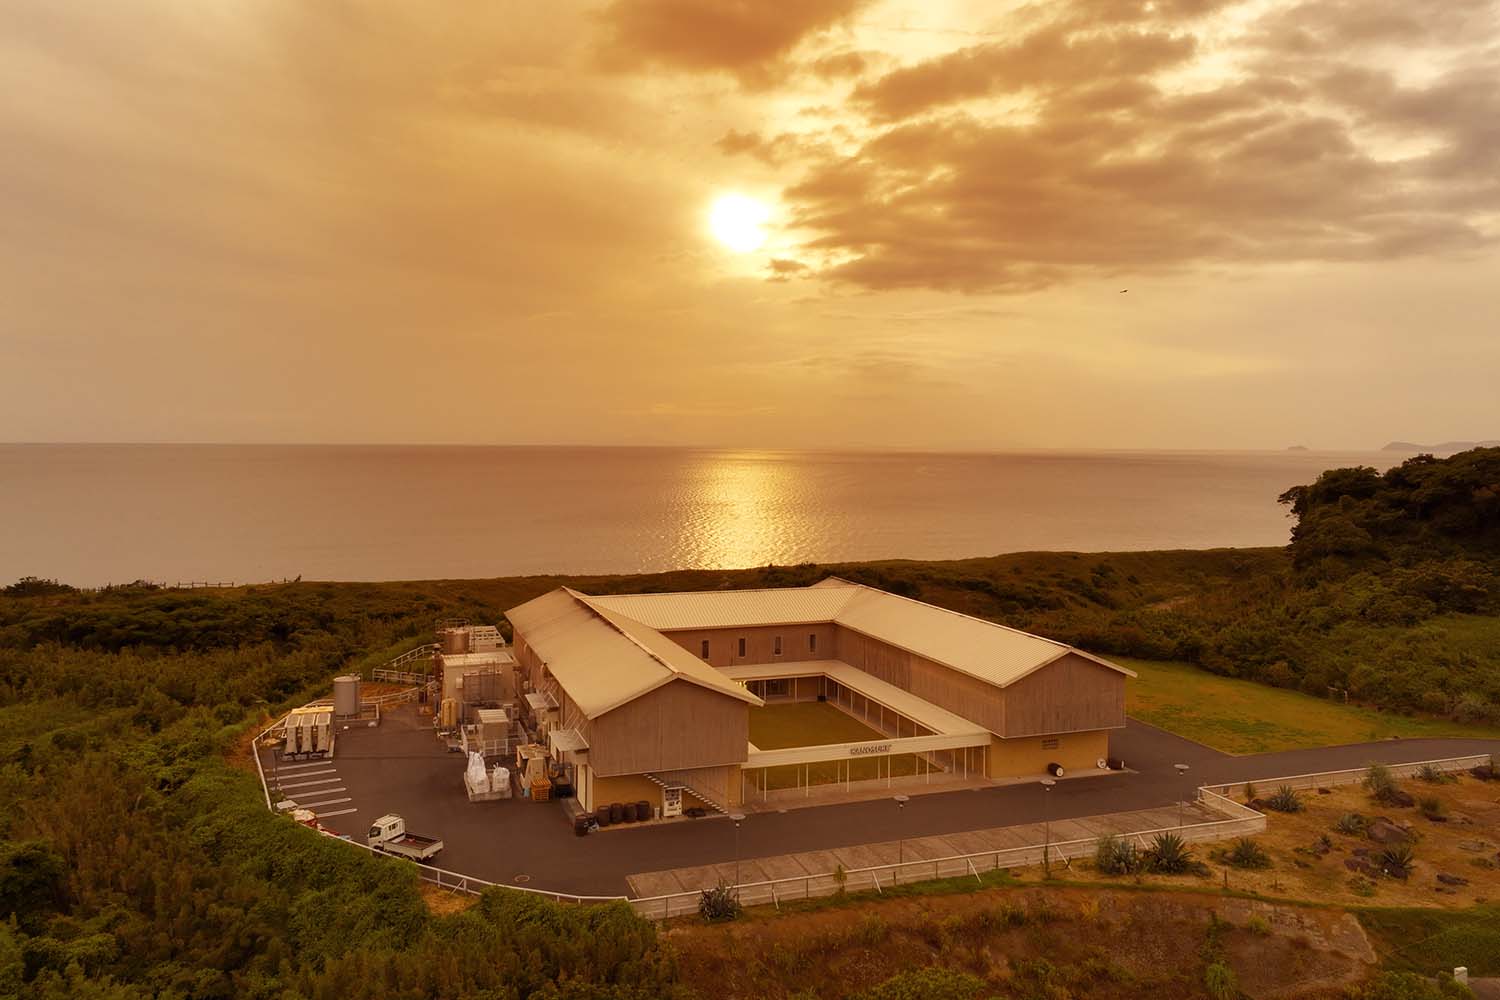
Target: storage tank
346	695
455	640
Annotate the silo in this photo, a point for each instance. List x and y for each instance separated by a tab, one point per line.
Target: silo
346	696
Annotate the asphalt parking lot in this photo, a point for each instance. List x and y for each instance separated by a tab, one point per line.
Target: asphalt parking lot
399	767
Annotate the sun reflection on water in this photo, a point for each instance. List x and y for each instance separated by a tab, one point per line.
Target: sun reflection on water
739	503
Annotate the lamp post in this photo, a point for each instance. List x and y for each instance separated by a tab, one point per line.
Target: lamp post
738	819
1182	770
901	801
1047	785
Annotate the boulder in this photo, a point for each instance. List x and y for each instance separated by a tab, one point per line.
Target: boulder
1447	879
1383	831
1473	846
1362	866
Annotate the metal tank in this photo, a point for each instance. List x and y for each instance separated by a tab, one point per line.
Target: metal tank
455	640
346	695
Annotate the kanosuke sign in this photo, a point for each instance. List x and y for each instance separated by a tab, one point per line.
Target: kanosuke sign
868	749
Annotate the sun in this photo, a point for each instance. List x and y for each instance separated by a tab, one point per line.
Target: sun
737	222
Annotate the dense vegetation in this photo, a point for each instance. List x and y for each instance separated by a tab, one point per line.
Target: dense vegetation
136	861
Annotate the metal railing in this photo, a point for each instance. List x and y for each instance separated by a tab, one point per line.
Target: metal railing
1240	821
1354	775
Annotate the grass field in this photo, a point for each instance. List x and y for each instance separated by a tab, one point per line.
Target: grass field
813	723
1243	717
805	724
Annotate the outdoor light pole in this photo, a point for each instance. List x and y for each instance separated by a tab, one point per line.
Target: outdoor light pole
1182	770
738	819
1047	784
901	801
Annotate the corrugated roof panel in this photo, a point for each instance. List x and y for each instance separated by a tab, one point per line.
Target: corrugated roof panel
732	608
603	662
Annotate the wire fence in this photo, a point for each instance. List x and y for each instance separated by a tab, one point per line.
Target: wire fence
1355	775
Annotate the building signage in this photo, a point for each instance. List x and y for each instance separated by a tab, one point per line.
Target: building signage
869	749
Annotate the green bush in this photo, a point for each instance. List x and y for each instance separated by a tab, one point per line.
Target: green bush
1381	784
1432	807
1117	856
1246	853
1434	776
1219	981
1352	824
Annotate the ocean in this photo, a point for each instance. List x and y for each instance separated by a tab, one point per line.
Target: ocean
96	514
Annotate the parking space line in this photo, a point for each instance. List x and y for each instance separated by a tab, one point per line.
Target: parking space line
298	767
308	784
337	812
325	802
309	774
321	791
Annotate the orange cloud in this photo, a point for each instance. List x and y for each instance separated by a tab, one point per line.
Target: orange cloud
748	39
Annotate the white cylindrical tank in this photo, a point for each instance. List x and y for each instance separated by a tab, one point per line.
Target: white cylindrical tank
346	695
455	641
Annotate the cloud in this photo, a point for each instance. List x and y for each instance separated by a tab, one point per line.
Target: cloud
1071	150
749	39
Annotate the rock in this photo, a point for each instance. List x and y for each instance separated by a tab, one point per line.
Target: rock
1383	831
1445	890
1473	846
1361	866
1325	791
1447	879
1485	772
1397	797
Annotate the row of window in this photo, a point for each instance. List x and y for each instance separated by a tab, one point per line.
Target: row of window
812	645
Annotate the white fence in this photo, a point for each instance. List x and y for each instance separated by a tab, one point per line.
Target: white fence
1239	821
1354	775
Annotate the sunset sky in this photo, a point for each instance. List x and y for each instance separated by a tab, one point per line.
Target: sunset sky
493	222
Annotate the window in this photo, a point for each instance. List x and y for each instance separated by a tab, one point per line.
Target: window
705	649
776	646
742	645
812	642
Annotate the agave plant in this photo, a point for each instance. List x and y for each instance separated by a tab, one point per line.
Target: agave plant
1285	800
1246	853
1169	855
1397	861
1115	856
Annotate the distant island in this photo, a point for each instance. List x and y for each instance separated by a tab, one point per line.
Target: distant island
1297	447
1445	447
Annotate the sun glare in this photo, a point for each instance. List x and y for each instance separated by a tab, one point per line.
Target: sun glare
737	222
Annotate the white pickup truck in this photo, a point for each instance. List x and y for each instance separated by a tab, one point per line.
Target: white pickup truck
389	834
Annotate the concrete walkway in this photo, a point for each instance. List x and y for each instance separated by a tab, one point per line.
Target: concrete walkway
398	767
915	849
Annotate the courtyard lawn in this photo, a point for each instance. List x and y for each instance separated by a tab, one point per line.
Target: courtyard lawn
805	724
1242	717
816	723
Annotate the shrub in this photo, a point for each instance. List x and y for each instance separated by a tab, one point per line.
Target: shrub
1249	791
1169	855
1411	986
1246	853
1382	785
718	903
1220	982
931	983
1352	825
1114	856
1397	861
1432	807
1258	925
1433	776
1285	800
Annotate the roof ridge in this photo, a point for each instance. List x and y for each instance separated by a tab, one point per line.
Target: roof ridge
960	614
587	602
700	593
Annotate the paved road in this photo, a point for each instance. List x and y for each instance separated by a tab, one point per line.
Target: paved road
398	767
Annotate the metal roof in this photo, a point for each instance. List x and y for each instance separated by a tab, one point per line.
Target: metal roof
604	659
993	653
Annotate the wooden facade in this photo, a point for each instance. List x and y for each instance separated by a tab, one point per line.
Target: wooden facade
678	726
1072	694
799	643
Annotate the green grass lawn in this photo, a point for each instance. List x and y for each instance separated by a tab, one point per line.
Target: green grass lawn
1241	717
814	723
1424	940
805	724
